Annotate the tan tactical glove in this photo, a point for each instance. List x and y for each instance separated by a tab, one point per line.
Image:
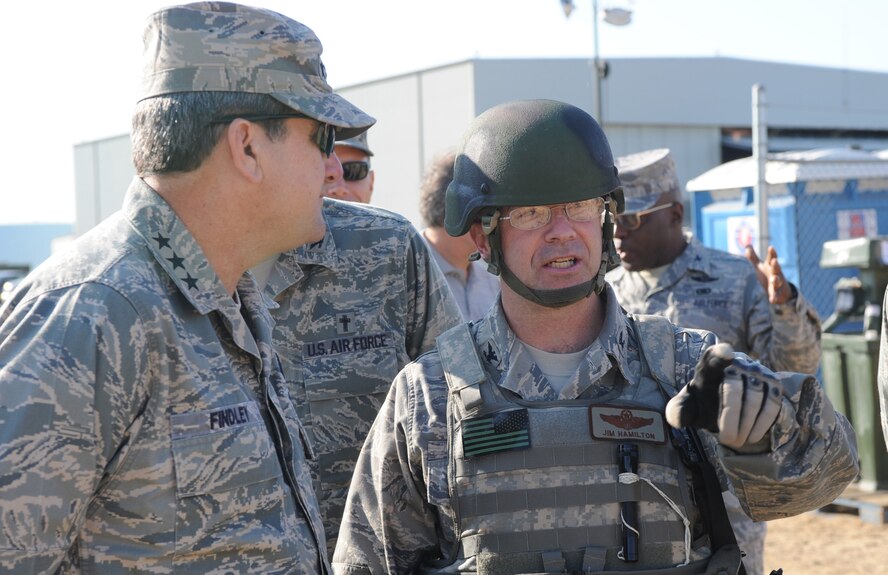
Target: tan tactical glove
731	395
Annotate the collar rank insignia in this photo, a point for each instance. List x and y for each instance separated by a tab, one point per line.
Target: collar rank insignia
496	433
490	354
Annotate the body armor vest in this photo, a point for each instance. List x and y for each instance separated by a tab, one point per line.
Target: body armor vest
536	486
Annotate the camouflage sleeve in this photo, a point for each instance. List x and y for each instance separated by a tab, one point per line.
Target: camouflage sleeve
784	337
388	525
70	366
809	459
883	368
806	461
431	306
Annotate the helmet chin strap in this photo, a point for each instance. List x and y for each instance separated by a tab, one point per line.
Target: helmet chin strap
562	296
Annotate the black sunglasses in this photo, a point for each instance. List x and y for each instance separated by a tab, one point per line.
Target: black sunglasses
325	137
355	171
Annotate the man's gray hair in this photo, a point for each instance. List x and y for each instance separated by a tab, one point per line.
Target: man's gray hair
177	132
438	176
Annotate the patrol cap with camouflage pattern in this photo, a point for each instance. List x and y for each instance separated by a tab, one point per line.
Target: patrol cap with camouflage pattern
359	142
227	47
645	176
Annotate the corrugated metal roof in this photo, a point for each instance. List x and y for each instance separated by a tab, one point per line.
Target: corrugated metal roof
798	166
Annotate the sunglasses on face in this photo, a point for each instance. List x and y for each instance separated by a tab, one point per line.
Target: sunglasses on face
355	171
633	221
324	137
534	217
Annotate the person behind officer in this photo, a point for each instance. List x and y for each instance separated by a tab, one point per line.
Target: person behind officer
520	442
666	271
356	184
145	424
352	310
473	288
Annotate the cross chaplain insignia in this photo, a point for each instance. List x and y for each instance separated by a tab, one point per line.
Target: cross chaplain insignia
496	432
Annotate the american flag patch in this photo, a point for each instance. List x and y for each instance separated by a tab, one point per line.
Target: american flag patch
497	432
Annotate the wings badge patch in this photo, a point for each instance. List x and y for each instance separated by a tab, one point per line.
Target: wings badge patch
627	423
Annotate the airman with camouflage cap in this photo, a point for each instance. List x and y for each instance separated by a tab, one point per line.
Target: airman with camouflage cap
645	177
145	423
359	142
667	272
499	452
227	47
356	183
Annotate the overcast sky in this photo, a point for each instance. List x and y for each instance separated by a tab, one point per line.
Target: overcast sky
71	69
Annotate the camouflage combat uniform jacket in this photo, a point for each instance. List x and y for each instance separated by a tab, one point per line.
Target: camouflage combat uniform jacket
719	292
353	310
145	425
401	506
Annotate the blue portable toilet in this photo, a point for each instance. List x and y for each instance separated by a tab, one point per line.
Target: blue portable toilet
813	196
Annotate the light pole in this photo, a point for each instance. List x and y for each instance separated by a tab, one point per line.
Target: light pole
614	16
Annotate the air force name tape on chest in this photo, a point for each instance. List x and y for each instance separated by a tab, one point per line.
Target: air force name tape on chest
214	420
622	423
347	344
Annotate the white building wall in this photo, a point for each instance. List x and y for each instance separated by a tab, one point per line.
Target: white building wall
695	149
103	170
417	116
394	138
718	91
680	103
567	80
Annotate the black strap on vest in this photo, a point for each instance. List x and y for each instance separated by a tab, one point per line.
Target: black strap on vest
688	443
712	508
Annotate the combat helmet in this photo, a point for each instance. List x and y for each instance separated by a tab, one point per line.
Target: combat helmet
528	153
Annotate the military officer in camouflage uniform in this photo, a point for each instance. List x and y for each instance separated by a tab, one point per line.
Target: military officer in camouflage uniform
535	441
145	424
358	177
473	289
670	273
353	309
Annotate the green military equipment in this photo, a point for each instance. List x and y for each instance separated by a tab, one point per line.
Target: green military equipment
851	348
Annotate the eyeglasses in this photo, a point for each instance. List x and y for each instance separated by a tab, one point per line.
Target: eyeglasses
633	221
534	217
325	136
355	171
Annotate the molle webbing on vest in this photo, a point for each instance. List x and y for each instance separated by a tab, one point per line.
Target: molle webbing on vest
608	538
563	494
580	562
519	511
540	496
547	456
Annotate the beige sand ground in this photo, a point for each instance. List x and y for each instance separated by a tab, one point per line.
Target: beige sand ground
819	543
